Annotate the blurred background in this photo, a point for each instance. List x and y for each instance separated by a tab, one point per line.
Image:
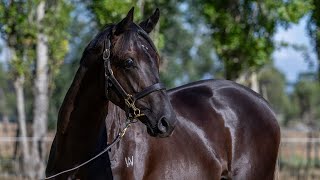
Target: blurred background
271	46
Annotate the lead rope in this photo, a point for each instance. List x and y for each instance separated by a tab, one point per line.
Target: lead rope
117	139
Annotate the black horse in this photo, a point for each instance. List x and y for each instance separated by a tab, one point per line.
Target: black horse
223	130
120	64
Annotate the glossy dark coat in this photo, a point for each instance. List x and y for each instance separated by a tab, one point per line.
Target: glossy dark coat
224	131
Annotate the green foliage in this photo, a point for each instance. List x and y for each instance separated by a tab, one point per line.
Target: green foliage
292	10
19	33
302	104
7	97
274	82
19	28
110	11
196	40
58	35
243	30
59	14
179	65
273	86
306	94
314	32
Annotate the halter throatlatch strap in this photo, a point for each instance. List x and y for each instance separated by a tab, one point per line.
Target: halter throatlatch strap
129	99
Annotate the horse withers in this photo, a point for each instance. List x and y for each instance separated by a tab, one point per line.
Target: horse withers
121	65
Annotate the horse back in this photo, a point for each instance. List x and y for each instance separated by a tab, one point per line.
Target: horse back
240	124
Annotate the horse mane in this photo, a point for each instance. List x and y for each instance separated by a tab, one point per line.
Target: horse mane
68	102
91	52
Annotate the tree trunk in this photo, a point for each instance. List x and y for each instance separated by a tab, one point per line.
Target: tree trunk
4	113
140	4
18	85
242	79
254	84
264	92
249	79
316	148
5	117
318	47
309	148
40	97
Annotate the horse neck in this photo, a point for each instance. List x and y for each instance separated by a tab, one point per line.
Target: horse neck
81	116
135	139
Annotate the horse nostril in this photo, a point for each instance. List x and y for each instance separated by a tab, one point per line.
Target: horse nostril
163	125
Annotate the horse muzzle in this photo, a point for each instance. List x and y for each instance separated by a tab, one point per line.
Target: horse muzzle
161	128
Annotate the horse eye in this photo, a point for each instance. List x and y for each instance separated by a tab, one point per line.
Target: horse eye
128	63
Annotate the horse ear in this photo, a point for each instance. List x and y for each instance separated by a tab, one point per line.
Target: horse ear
148	24
124	24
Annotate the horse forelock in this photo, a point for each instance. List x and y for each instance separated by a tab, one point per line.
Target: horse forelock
128	37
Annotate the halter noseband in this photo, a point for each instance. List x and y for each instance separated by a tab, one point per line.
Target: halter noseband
129	99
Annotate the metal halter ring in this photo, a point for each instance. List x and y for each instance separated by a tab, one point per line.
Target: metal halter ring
123	131
106	54
130	103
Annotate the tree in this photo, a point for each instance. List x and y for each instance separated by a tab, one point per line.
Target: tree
183	57
17	31
307	98
242	31
25	30
56	38
306	93
273	88
41	85
313	27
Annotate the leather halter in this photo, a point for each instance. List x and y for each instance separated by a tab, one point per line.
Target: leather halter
129	99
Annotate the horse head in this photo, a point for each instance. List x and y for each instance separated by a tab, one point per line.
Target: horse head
131	69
